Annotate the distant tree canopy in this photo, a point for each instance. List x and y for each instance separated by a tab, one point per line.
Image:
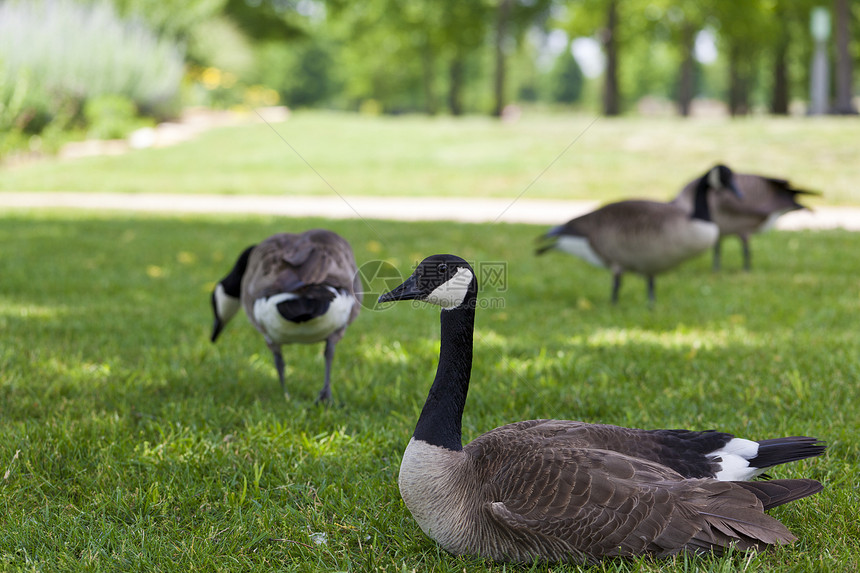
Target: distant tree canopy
458	57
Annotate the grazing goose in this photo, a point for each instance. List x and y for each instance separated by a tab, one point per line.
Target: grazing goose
645	237
765	199
295	288
558	490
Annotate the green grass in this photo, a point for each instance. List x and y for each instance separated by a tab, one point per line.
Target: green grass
475	157
129	442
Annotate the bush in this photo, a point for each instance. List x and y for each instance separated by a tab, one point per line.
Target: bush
111	116
55	55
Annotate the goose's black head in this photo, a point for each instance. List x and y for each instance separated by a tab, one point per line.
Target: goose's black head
445	280
721	177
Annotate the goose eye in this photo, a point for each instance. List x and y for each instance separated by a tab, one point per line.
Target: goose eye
442	268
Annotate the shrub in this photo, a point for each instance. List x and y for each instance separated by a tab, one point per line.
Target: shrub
111	116
57	54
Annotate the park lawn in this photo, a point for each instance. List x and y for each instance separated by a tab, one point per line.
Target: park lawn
129	442
559	156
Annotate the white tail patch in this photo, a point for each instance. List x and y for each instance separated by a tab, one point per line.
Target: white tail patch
735	456
277	329
579	247
452	292
771	220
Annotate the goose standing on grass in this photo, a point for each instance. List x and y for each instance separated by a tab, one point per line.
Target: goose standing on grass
300	287
569	491
764	200
644	237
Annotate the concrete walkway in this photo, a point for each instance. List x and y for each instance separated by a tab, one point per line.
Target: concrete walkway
538	211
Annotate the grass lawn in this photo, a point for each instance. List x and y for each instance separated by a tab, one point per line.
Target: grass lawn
129	442
475	157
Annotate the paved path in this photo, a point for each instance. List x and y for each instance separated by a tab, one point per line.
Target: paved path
539	211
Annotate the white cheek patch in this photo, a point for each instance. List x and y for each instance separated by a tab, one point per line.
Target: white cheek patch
227	306
453	292
714	179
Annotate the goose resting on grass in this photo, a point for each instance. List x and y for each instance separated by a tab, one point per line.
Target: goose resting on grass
300	287
558	490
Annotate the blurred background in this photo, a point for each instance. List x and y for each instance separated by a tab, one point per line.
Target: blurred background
77	69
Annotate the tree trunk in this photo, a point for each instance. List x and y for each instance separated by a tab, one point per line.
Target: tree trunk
501	39
686	85
780	96
611	97
844	86
431	106
455	88
738	84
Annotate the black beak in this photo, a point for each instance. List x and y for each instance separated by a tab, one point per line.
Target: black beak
407	291
733	187
216	329
217	325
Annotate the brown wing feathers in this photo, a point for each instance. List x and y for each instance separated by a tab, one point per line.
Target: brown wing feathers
594	503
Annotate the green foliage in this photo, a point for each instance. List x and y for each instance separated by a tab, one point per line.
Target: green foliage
219	43
301	71
56	55
111	116
568	79
175	18
271	19
129	442
650	69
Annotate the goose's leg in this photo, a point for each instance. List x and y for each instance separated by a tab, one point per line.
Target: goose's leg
616	286
279	366
650	281
325	393
716	266
745	244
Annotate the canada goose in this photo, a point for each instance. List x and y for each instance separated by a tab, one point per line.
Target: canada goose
765	199
569	491
300	287
645	237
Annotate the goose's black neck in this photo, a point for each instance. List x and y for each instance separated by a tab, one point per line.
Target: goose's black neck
701	210
232	283
440	423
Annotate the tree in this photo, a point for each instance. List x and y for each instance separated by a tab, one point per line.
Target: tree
172	17
686	80
609	39
844	74
462	32
503	16
385	53
601	18
679	23
513	18
567	78
388	49
266	19
743	32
